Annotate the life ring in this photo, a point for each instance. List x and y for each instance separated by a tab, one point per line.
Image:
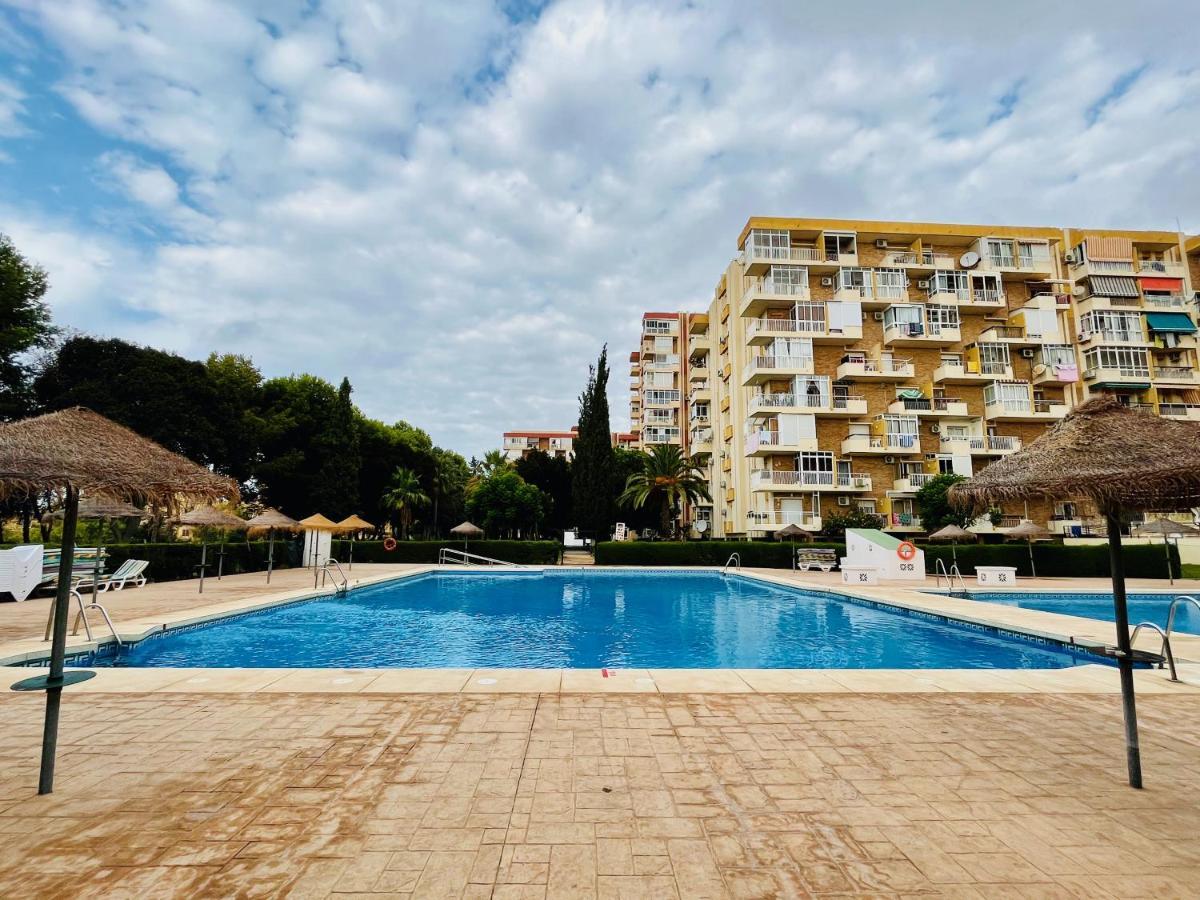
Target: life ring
906	551
389	544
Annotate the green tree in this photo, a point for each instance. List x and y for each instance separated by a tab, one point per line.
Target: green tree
668	479
552	476
933	505
24	326
834	525
404	497
239	383
504	505
625	463
591	471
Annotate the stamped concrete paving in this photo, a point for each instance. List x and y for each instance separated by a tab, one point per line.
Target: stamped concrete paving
459	795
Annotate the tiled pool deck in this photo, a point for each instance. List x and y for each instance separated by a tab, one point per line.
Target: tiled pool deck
661	783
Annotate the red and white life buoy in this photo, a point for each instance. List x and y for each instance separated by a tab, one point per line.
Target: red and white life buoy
389	544
906	551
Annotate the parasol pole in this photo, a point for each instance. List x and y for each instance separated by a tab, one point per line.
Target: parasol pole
203	564
58	649
1124	648
1167	550
350	562
221	556
270	552
1032	567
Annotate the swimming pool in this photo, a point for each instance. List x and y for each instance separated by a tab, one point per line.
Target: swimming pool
589	619
1142	607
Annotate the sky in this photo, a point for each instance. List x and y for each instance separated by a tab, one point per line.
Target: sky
456	205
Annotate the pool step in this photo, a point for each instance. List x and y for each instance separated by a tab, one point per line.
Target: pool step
577	558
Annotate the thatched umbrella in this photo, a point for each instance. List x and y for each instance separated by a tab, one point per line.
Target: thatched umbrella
467	531
791	531
1031	532
317	523
211	517
1167	528
1123	460
77	450
353	525
105	509
271	519
954	534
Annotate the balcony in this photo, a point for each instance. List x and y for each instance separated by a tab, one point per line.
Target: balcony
902	522
1185	375
1023	410
1166	301
912	482
983	299
915	334
952	373
1008	334
926	260
772	521
700	392
929	407
1187	411
765	442
876	370
880	444
759	258
662	362
763	293
660	397
700	440
1090	267
787	480
815	325
764	368
1159	268
1028	265
652	435
1118	375
818	404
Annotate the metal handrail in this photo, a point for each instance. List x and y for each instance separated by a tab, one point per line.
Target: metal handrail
345	582
81	616
940	571
1165	634
735	559
462	557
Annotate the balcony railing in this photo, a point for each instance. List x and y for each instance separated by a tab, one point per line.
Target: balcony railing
772	520
767	285
813	325
662	396
702	436
659	435
805	401
927	259
784	254
1117	372
980	295
934	404
1166	301
775	363
1003	442
789	478
883	366
1175	373
905	520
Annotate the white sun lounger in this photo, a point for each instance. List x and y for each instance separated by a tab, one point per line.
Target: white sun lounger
129	572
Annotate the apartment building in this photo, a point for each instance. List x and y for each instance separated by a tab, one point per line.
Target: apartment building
843	364
518	444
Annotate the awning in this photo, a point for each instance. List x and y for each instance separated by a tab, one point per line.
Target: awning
1174	285
1177	322
1110	248
1121	385
1114	286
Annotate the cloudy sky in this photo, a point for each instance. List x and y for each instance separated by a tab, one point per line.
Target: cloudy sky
456	204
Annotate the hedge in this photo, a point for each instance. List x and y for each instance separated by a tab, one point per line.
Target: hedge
1052	560
532	552
178	561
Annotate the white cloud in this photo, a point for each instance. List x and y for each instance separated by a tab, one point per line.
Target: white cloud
12	108
457	210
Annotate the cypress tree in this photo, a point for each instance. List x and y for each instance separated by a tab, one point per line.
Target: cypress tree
591	481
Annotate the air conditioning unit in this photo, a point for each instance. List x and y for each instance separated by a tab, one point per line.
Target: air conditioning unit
1027	353
881	244
1071	258
826	282
890	460
843	501
923	284
935	428
878	315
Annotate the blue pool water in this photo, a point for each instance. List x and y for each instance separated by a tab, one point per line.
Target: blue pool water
593	619
1142	607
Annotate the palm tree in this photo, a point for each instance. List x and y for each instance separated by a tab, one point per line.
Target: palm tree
403	496
667	478
493	462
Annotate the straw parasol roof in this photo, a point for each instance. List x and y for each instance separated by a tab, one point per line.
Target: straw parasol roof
354	523
211	517
1166	526
1028	530
272	518
791	530
92	454
953	533
318	522
1103	450
466	529
100	508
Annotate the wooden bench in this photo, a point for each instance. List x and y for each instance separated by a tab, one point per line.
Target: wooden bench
823	560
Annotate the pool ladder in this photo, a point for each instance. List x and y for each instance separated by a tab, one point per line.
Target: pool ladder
939	569
734	560
340	581
1165	650
81	616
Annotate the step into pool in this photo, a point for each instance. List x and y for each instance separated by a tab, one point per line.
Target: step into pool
589	619
1142	607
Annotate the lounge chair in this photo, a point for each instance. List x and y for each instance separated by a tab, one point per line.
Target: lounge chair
129	572
822	559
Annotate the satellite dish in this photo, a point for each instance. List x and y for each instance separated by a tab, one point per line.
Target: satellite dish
969	260
701	526
1039	370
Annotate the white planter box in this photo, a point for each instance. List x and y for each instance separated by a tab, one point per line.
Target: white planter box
996	576
861	575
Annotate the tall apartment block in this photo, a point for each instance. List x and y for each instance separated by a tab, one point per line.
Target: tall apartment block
517	444
843	364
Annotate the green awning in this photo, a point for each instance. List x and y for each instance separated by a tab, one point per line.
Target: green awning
1177	322
1121	386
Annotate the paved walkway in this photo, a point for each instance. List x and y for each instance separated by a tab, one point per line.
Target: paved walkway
445	796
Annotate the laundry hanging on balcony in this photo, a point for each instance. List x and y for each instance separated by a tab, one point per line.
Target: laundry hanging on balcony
1171	322
1066	372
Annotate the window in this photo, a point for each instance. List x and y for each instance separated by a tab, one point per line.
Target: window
1056	355
786	280
1000	253
941	317
1033	254
840	245
857	281
1013	396
1112	325
816	467
1130	362
950	281
986	289
866	506
903	317
993	359
658	326
901	431
945	465
768	244
889	283
809	316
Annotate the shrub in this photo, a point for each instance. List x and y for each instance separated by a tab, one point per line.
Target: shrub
178	561
529	552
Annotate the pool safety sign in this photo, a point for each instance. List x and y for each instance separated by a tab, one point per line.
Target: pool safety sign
891	557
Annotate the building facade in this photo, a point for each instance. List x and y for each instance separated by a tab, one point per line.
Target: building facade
842	364
518	444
